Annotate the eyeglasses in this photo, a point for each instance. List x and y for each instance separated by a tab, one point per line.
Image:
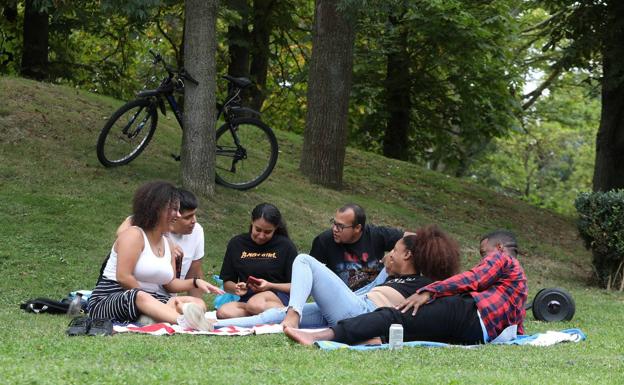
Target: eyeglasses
339	226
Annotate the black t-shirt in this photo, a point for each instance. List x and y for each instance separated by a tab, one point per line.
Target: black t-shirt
407	284
356	263
271	261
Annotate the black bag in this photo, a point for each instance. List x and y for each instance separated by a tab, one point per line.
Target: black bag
45	305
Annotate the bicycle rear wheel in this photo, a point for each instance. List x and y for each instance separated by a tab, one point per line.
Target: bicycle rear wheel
127	133
246	153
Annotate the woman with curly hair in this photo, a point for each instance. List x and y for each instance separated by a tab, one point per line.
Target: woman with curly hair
139	274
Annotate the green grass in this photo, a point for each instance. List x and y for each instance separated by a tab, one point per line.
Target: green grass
59	209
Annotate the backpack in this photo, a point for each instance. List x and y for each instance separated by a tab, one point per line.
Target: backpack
45	305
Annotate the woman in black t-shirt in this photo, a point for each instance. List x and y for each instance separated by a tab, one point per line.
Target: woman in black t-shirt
257	265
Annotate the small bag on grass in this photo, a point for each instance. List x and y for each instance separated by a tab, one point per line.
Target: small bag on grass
45	305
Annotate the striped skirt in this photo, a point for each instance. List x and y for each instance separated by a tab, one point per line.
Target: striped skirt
111	301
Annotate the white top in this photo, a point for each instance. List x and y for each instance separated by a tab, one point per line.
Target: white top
193	246
151	271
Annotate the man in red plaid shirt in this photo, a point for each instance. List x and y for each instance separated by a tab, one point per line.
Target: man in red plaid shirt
468	308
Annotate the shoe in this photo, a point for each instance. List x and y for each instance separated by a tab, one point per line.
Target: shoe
100	327
146	320
78	326
194	317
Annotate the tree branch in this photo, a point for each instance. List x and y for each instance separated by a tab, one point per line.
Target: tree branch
169	39
536	93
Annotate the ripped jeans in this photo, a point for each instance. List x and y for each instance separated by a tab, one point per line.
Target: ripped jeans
334	300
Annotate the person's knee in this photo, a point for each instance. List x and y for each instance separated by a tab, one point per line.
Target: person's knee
256	306
198	301
226	311
142	298
303	259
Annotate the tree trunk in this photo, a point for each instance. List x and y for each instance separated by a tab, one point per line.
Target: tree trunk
329	85
247	45
35	46
608	171
239	40
198	139
260	38
398	89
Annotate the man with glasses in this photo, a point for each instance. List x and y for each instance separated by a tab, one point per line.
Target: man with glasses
353	249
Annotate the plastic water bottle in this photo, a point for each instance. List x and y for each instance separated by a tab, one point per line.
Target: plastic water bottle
396	337
75	306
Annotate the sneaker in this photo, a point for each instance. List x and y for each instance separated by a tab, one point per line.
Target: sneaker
194	317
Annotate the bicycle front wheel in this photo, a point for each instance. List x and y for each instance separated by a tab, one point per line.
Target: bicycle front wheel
127	133
246	153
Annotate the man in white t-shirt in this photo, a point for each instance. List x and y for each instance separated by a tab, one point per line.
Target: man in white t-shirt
188	236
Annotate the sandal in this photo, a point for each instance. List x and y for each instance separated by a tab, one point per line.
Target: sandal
101	327
78	326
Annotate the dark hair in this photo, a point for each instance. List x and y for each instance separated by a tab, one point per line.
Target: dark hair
271	214
435	253
149	200
360	215
188	201
504	237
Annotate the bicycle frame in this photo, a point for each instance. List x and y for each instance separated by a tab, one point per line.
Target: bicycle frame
246	147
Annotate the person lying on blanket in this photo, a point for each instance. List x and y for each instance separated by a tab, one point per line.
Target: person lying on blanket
472	307
415	261
139	274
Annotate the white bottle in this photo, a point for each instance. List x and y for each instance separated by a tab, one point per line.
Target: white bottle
75	306
395	340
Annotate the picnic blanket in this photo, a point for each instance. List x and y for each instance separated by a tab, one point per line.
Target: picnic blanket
508	337
165	328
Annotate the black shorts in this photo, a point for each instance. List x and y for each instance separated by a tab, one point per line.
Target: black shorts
284	297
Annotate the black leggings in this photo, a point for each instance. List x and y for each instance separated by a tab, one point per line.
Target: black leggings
451	319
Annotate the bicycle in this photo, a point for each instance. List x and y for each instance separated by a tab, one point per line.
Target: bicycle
246	148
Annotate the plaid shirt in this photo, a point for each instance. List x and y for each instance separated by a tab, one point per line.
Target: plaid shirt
499	287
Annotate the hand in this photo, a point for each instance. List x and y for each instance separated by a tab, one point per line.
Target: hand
241	289
208	288
414	301
178	254
263	285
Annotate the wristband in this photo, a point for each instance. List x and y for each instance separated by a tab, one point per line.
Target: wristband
195	282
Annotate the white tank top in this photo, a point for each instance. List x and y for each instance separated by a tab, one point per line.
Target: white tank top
151	271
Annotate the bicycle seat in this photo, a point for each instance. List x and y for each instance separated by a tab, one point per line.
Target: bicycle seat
240	82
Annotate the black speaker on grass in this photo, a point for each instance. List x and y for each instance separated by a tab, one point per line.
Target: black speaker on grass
552	305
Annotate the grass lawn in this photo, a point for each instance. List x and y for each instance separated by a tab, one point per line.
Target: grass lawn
59	209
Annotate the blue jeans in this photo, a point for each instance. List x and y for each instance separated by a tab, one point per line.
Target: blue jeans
334	300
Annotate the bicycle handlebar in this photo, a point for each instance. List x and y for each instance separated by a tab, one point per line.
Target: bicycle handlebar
187	76
171	70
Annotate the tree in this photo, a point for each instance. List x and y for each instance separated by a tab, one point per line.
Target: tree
608	172
589	35
329	85
8	36
198	139
435	80
398	90
550	161
35	49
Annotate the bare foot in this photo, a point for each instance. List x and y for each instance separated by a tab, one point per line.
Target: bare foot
291	320
298	336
